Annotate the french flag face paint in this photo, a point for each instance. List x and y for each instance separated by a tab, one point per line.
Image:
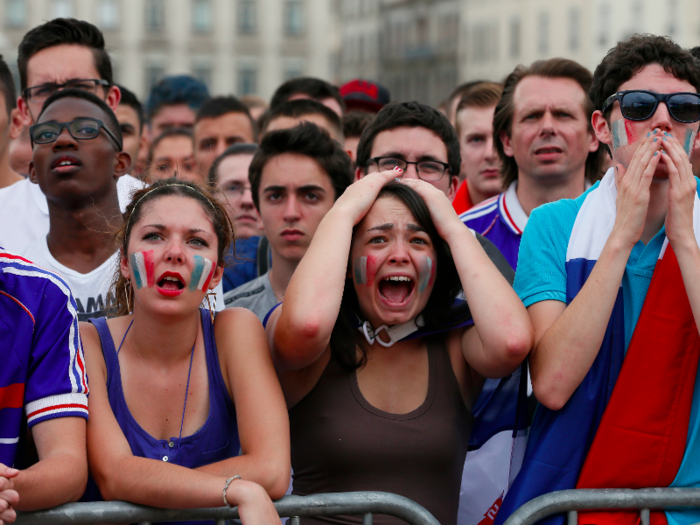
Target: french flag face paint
365	269
689	141
622	132
143	269
426	274
202	273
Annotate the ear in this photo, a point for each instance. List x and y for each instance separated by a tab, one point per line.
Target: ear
114	95
124	267
122	166
601	128
454	181
24	111
32	173
507	143
359	173
16	123
216	278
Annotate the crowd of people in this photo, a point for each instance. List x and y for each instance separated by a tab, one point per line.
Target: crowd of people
469	306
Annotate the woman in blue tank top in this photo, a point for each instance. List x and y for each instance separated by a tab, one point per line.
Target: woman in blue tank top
185	407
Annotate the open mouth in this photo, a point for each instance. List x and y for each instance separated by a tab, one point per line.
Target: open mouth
66	163
170	284
396	289
548	150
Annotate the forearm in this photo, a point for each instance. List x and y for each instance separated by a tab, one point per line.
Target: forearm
566	350
312	300
502	322
58	479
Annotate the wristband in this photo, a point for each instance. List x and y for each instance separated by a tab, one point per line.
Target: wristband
228	482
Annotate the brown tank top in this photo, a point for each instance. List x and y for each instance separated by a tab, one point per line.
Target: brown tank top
341	443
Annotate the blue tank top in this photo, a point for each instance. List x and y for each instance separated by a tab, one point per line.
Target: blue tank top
216	440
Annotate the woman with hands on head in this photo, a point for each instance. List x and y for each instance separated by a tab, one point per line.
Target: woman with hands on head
173	389
369	408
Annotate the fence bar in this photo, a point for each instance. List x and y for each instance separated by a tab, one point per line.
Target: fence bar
604	499
367	519
644	515
115	512
572	518
294	520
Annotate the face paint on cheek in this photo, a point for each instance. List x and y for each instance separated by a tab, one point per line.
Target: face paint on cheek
143	269
201	274
365	269
689	141
619	133
426	274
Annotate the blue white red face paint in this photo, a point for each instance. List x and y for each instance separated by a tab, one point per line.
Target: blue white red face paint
426	274
143	269
689	141
622	133
201	274
365	269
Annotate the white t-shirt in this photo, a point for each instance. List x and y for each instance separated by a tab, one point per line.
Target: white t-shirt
91	290
24	212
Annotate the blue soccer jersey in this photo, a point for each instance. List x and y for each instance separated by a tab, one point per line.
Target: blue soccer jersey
501	220
43	368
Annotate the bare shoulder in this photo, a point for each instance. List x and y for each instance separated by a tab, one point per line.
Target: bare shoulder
92	346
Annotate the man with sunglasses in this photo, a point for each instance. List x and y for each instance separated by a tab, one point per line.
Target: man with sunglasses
77	160
612	284
60	54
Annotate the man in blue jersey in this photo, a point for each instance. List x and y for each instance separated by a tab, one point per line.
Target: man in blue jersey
43	385
546	145
613	276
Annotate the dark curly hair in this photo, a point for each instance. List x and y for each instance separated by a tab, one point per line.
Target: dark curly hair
442	311
223	227
630	56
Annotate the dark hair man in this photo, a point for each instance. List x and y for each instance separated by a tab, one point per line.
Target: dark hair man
354	123
229	174
296	175
220	123
416	138
546	145
172	155
43	376
612	284
480	173
294	112
695	157
62	53
311	88
130	116
10	125
173	103
77	160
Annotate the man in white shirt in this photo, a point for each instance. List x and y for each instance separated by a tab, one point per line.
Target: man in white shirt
58	54
77	161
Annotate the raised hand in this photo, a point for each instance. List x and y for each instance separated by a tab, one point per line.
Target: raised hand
681	193
443	214
8	494
359	196
633	188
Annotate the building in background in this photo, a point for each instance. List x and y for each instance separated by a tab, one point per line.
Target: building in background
235	46
421	49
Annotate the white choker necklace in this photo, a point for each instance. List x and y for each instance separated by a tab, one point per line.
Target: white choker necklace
395	333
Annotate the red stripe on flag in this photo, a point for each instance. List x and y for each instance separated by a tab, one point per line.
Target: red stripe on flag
12	396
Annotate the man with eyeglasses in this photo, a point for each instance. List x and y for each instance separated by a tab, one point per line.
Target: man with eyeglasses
546	146
612	284
229	174
77	160
53	56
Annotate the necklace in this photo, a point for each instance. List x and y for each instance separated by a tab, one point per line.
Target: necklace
187	388
395	333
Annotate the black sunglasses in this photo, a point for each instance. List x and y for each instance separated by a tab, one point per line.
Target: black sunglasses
640	105
80	129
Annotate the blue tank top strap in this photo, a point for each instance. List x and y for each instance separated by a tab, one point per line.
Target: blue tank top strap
213	366
108	350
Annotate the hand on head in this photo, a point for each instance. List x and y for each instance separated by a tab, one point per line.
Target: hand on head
359	196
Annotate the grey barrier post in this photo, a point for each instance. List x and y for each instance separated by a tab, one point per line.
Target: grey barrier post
111	512
571	501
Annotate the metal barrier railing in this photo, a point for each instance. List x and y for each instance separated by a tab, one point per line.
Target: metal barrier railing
294	507
572	501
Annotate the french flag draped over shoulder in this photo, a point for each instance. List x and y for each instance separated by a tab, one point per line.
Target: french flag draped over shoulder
619	428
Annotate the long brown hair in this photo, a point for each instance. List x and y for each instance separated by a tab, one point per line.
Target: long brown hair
223	227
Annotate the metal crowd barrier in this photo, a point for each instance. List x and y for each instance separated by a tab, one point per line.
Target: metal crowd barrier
572	501
294	507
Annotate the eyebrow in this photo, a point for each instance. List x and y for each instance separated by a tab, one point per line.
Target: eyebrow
415	228
308	187
163	227
382	227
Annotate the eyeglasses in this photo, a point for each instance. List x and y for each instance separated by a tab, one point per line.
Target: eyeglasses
427	170
236	190
641	105
80	129
39	94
